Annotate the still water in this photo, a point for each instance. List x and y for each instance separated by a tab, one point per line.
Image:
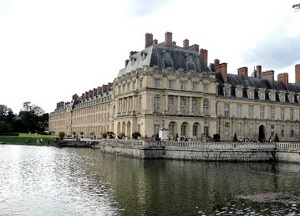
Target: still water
74	181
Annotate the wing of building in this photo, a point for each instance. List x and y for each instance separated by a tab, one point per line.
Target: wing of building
173	87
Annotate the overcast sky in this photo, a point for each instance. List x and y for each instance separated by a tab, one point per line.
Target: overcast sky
52	49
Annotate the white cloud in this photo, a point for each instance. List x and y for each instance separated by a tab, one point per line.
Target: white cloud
53	49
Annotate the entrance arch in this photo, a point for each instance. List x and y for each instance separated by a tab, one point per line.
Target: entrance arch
261	133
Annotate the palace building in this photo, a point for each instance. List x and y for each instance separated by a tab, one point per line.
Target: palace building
174	87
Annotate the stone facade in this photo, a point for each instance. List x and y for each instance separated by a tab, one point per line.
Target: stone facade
173	87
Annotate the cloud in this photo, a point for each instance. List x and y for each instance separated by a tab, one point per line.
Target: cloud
5	7
146	7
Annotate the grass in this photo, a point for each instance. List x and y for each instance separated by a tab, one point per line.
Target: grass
28	139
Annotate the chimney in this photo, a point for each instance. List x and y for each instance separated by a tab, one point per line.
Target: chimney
155	41
126	62
91	93
104	88
203	56
258	71
95	92
168	38
148	39
174	43
186	44
222	69
284	78
243	71
110	85
268	75
216	62
83	96
194	47
297	73
99	90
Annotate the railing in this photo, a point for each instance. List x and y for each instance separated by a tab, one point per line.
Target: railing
192	145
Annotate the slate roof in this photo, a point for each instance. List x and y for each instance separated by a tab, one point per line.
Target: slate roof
155	55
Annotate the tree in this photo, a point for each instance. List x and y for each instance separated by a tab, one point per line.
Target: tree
276	139
234	137
61	135
296	6
4	127
7	116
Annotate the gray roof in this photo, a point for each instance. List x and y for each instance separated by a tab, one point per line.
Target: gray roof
165	56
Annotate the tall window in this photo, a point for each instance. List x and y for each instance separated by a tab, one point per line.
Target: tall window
272	130
239	129
171	84
239	110
206	130
195	86
183	85
141	83
227	129
171	109
156	128
156	82
205	107
167	60
262	112
226	91
195	129
140	104
183	105
183	129
292	130
251	111
250	129
226	110
128	86
206	87
292	114
282	110
282	130
195	106
156	103
171	129
272	113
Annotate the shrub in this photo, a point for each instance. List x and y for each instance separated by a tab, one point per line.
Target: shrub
216	137
121	135
275	139
104	135
135	135
61	135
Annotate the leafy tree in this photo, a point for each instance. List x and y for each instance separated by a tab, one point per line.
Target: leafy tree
104	135
275	139
4	127
296	6
7	116
234	137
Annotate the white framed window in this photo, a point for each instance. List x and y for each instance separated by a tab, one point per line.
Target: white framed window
195	86
171	106
272	129
226	110
262	112
195	106
239	129
195	130
157	82
205	107
227	129
156	103
183	85
251	111
292	131
239	110
282	130
282	112
183	105
183	129
171	84
291	114
206	87
272	113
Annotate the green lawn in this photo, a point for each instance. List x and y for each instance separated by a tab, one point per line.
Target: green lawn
28	139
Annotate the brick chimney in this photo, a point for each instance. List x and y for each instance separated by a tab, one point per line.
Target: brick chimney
194	47
83	96
258	71
186	44
155	41
168	38
104	88
174	43
91	93
99	90
284	78
94	91
87	95
222	69
203	56
297	73
148	39
243	71
268	75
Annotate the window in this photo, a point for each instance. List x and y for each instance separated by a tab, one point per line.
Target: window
156	82
291	115
171	129
205	107
262	95
156	103
282	97
167	59
195	106
282	130
183	129
190	65
226	110
119	89
251	111
171	105
292	130
239	129
171	84
239	110
226	91
141	83
140	105
250	130
195	86
282	111
156	128
205	87
239	92
272	96
183	85
195	129
250	93
272	113
206	130
128	86
183	105
262	112
123	88
227	129
272	130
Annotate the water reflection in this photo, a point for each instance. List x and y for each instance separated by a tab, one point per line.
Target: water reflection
66	181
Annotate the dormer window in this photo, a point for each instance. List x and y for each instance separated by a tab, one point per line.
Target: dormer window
226	91
239	92
262	94
250	93
281	96
190	65
272	95
167	59
291	97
